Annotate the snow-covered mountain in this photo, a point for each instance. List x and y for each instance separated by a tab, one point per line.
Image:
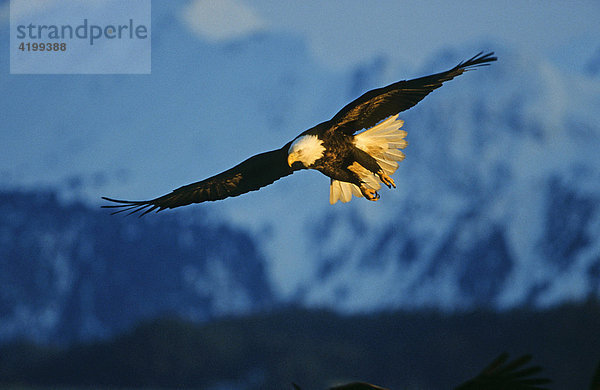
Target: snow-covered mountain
497	200
74	273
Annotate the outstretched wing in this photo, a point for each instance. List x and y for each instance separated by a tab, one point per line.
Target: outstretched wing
252	174
378	104
514	375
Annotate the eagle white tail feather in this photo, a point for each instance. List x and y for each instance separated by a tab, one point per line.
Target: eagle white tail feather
342	191
382	142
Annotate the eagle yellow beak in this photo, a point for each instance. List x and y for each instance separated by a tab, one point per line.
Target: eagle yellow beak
291	159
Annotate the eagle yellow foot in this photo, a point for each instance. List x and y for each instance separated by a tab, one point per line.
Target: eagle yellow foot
385	179
369	193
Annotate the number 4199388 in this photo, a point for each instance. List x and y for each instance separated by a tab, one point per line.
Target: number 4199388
29	46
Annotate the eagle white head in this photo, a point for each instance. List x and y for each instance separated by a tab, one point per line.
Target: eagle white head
305	149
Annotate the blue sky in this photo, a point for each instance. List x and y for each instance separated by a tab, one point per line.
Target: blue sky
343	33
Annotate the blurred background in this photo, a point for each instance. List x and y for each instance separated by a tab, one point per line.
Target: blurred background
490	243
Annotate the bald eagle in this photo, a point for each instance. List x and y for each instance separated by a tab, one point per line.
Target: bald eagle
356	161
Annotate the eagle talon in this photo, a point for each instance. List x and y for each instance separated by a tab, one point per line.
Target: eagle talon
385	179
369	194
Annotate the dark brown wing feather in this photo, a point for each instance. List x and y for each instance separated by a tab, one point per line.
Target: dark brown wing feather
252	174
514	375
380	103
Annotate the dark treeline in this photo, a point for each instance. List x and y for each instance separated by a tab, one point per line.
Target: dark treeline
399	350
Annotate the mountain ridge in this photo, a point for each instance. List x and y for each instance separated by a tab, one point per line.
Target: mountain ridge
71	273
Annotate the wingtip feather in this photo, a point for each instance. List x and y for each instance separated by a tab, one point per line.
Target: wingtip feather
477	60
130	206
